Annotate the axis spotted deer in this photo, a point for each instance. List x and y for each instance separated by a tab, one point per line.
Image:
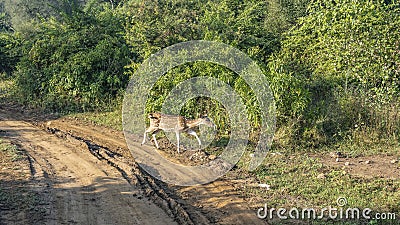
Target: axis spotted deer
173	123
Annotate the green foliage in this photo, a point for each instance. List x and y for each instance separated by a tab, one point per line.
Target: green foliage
8	52
356	39
200	105
252	26
343	58
23	14
153	25
294	9
5	20
7	43
76	63
74	57
333	68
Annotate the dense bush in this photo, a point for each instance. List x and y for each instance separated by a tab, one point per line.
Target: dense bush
8	43
75	63
340	65
254	27
333	66
8	54
5	21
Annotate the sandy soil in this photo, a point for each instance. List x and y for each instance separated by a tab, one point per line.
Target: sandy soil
77	187
85	174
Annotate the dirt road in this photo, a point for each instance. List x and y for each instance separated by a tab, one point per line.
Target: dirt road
79	188
86	175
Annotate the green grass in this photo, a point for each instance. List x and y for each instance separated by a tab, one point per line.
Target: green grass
294	182
112	119
369	142
12	151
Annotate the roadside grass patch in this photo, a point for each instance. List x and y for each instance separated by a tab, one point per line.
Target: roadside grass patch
112	119
300	181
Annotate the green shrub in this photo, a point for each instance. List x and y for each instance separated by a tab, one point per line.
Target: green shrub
75	63
254	27
343	57
8	54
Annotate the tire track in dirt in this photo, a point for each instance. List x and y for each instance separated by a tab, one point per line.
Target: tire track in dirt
132	173
215	203
77	187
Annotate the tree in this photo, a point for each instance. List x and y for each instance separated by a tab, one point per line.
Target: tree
254	27
5	23
76	62
8	42
345	56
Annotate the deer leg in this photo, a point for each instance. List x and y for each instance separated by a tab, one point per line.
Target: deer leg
155	140
144	138
177	139
148	130
192	132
